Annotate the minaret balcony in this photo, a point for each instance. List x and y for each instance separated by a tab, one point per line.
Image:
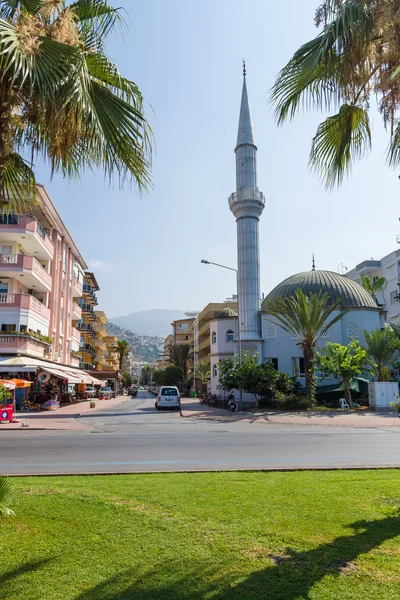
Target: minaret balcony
247	195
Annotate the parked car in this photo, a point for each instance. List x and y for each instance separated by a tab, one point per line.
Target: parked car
133	390
106	392
168	397
90	391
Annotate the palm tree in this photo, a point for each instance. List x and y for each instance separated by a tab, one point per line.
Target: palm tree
62	98
304	318
180	355
355	57
122	348
203	372
5	495
372	284
382	345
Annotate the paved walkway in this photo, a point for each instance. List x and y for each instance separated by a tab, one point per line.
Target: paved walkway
191	408
63	418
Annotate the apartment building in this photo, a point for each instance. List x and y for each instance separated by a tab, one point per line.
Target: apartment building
388	267
86	325
100	341
199	330
40	270
180	330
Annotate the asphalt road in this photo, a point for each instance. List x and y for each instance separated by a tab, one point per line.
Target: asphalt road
134	437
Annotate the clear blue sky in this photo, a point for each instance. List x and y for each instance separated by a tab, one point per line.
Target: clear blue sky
186	57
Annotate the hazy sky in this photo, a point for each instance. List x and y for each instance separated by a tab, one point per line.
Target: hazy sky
186	56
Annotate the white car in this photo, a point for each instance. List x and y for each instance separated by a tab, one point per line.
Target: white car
168	397
106	392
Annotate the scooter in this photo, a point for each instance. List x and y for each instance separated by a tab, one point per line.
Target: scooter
231	403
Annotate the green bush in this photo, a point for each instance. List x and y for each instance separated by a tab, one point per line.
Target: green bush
282	401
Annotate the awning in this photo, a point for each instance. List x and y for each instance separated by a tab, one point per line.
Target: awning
61	374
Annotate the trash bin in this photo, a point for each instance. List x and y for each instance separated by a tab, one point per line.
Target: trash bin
193	394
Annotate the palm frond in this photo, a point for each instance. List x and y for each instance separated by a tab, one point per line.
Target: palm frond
5	497
339	141
8	8
19	184
97	19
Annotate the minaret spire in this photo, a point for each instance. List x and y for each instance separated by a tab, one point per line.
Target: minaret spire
247	205
313	263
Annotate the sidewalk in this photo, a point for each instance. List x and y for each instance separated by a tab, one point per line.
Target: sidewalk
64	418
191	408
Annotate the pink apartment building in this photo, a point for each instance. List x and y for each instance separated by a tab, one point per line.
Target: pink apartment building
41	277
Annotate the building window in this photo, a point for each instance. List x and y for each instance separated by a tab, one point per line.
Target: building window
352	331
215	372
273	361
324	333
230	336
270	332
393	297
213	338
298	367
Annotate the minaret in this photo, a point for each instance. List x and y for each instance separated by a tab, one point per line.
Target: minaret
247	204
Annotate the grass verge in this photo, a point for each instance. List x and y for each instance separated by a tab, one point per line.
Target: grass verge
278	536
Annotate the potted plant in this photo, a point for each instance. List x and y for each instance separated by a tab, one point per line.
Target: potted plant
92	404
396	406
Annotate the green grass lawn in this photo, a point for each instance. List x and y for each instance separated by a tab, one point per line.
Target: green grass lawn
278	536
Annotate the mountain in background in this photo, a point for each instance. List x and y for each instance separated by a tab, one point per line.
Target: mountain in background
156	322
144	348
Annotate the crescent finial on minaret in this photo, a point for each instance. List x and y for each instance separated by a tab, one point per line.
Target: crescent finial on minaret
313	263
244	68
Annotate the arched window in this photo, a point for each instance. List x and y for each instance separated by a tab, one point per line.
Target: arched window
215	373
230	336
213	338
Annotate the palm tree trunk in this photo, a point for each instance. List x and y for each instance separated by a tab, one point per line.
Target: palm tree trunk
347	393
6	146
309	374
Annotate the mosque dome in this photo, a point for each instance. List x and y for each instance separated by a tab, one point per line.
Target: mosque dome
226	313
338	287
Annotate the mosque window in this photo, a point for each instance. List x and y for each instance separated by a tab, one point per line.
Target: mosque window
230	336
352	331
273	361
270	332
213	338
215	373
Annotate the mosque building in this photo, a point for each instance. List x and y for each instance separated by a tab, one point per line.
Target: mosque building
254	330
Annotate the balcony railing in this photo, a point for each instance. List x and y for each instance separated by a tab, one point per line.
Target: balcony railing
18	262
88	348
247	195
76	309
29	224
25	301
77	284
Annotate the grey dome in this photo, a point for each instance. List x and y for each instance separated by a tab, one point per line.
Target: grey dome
226	313
339	287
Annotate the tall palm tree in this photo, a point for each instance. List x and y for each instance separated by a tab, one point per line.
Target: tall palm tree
372	284
5	495
180	355
353	59
382	347
122	348
62	98
304	318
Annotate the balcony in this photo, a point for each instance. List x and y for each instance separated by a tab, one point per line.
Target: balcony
10	302
76	311
28	232
28	268
20	343
75	334
88	349
76	287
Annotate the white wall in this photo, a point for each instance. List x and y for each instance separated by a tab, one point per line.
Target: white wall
221	349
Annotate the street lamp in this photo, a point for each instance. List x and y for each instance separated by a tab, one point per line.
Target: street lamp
209	262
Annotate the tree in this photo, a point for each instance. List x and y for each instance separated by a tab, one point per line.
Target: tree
62	98
257	379
127	380
172	375
180	355
203	372
372	284
122	348
145	376
5	496
382	346
305	318
5	394
354	58
344	363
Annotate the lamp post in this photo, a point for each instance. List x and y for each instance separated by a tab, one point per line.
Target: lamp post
209	262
